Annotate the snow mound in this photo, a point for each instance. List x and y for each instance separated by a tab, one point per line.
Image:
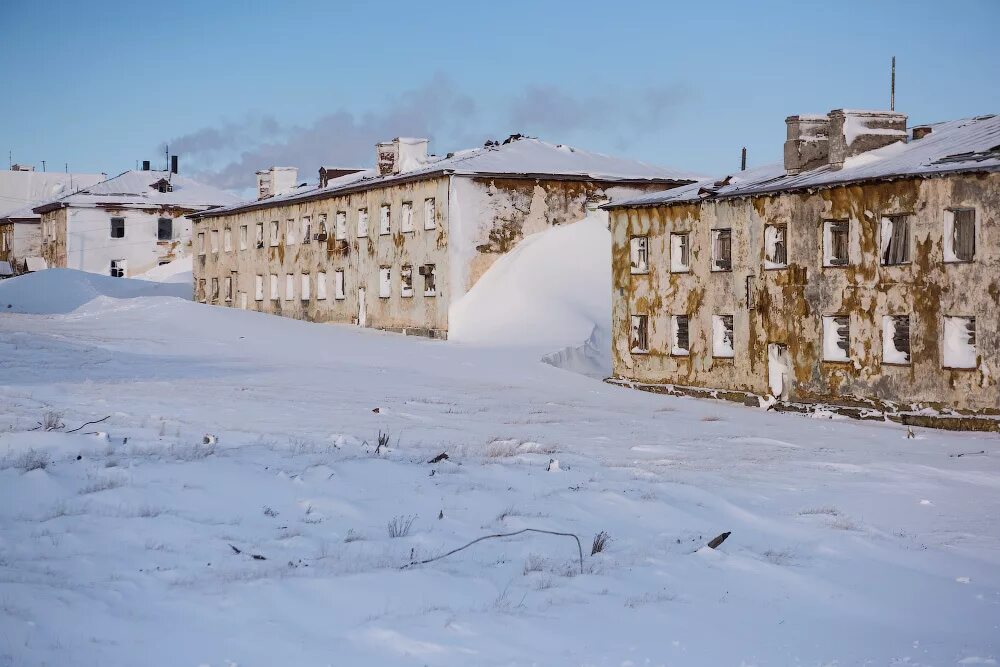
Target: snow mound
552	290
57	291
178	271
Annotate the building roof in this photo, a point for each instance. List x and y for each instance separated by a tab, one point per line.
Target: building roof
21	188
517	157
23	214
965	145
137	189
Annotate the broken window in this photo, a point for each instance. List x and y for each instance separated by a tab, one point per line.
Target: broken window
117	228
227	239
429	272
118	268
896	339
680	335
384	282
639	254
383	219
338	285
680	253
215	290
895	238
406	281
165	229
321	233
722	336
229	289
429	214
290	232
289	286
243	237
307	229
321	286
836	236
202	297
258	288
960	235
259	240
960	342
406	222
215	241
304	281
362	222
201	243
341	225
775	246
836	338
722	249
273	281
275	234
639	340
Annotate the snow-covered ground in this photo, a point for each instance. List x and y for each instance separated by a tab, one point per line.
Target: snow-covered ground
851	544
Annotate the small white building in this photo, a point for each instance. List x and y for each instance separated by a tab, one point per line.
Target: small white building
126	225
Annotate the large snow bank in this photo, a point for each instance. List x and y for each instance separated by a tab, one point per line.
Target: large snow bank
64	290
178	271
552	290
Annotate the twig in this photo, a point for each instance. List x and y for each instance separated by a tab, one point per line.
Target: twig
579	547
96	421
960	454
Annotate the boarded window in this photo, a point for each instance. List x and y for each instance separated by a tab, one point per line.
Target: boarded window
289	286
406	221
384	282
722	249
229	289
201	290
321	286
260	235
165	229
895	237
680	253
383	219
243	237
306	229
341	225
227	239
275	234
836	338
836	238
430	220
680	334
362	222
290	232
429	272
640	334
274	287
201	243
960	342
639	253
258	288
117	228
119	268
960	239
215	240
322	229
215	290
338	285
406	281
722	336
896	339
775	246
304	283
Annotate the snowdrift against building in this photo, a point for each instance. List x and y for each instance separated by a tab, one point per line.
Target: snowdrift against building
552	291
57	291
177	271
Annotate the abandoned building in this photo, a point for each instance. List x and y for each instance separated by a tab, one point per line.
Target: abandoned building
863	271
125	225
393	247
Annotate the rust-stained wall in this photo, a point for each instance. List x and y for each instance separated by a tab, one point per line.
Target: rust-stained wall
6	241
54	237
787	305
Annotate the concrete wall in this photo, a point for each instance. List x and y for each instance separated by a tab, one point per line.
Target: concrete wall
787	305
27	240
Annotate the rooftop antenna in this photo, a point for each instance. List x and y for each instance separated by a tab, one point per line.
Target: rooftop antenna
166	157
67	167
743	160
892	93
43	166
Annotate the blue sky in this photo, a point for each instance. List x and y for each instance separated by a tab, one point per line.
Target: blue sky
238	86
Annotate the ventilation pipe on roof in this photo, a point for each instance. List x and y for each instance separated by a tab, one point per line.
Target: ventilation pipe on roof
856	132
922	131
173	164
145	165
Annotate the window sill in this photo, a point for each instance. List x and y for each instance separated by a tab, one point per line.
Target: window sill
837	266
783	267
639	273
959	261
638	351
960	368
884	265
687	270
838	362
730	357
683	355
897	364
407	296
722	270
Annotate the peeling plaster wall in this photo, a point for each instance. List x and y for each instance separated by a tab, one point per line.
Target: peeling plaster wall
27	240
7	244
787	305
53	237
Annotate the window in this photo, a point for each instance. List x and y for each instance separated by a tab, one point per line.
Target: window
960	342
321	233
406	281
722	250
215	241
227	239
362	222
201	243
201	290
384	282
260	235
275	234
321	286
639	254
338	285
896	339
775	246
229	289
341	224
429	272
290	232
680	253
679	334
307	229
895	240
406	222
243	299
118	268
215	290
430	221
960	235
383	220
165	229
639	340
836	237
304	282
243	237
836	338
274	287
289	286
117	228
722	336
258	288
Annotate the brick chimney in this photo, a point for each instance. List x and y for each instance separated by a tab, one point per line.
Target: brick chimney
856	132
807	143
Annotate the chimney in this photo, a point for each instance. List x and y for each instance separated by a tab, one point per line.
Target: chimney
922	131
400	155
145	165
856	132
807	144
327	174
276	181
173	164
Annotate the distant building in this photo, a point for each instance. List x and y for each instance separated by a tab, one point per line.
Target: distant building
393	247
863	271
125	225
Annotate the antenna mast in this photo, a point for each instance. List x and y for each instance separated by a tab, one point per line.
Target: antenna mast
892	91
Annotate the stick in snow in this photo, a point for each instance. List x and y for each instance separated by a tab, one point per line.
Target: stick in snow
579	547
443	456
96	421
714	544
955	456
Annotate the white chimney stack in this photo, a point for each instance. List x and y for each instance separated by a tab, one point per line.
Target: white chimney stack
276	181
400	155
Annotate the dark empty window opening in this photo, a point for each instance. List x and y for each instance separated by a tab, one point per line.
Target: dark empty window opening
164	229
430	279
776	247
681	335
896	339
118	269
963	234
117	228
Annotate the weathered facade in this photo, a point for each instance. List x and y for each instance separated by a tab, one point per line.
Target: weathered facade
874	280
392	248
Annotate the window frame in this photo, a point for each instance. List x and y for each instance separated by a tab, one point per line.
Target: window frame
258	287
949	234
384	281
363	223
676	265
638	253
430	206
321	292
385	220
406	225
406	281
675	349
887	340
244	237
159	229
828	244
827	321
339	285
945	319
638	344
885	246
119	222
717	233
120	265
770	264
722	320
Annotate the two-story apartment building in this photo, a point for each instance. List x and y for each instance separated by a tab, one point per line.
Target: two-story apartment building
393	247
863	271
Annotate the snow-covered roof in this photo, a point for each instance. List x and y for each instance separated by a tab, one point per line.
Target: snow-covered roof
6	269
35	264
23	214
139	189
516	157
21	188
968	144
